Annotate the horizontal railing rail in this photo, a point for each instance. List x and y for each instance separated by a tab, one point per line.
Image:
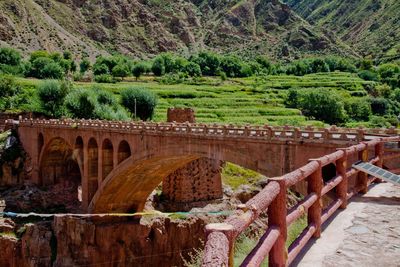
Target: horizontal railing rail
271	245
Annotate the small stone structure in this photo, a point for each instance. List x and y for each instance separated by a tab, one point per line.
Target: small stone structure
181	115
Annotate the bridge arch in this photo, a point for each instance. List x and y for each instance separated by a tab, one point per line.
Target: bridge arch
127	187
59	166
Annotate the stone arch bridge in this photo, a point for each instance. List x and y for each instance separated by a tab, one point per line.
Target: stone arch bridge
120	163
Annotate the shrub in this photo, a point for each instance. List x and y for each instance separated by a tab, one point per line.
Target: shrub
193	69
231	66
81	104
366	64
138	70
100	69
104	78
52	71
379	106
323	105
358	109
209	63
9	92
121	70
52	94
292	99
396	95
141	99
265	63
9	56
368	75
158	67
387	71
84	65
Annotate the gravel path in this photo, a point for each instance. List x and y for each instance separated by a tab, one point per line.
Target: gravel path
366	234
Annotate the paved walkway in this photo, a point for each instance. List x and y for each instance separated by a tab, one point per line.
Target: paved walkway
366	234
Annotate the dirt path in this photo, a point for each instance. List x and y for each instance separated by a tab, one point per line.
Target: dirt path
366	234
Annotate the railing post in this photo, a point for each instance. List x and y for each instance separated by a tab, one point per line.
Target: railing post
315	185
220	245
341	189
379	151
277	213
362	178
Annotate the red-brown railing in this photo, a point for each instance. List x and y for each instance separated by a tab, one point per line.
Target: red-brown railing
219	247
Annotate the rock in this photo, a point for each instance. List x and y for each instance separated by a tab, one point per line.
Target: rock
6	225
245	192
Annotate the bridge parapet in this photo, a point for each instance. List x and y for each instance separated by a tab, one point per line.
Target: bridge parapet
272	199
266	132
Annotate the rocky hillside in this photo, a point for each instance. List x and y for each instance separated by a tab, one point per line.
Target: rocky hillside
142	28
369	26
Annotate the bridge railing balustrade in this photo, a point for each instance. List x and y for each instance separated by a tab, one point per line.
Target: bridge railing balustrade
273	200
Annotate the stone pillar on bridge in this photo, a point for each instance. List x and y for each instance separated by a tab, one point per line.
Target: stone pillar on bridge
197	183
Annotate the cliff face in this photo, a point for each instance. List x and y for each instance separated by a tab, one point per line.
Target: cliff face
71	241
146	27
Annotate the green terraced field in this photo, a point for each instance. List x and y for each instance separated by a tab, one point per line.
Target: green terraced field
255	100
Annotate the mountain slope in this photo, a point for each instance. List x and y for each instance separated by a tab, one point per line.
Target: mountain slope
370	26
143	28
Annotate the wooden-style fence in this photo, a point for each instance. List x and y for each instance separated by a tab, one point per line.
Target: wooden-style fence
219	248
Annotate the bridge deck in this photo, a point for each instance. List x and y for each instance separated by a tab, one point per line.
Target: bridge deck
367	233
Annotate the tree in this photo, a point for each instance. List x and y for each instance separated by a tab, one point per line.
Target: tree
121	70
193	69
231	66
9	56
323	105
158	67
81	104
51	95
388	71
138	70
52	71
100	69
84	65
209	63
140	100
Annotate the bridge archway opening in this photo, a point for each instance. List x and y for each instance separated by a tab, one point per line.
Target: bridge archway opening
60	171
93	165
107	153
124	151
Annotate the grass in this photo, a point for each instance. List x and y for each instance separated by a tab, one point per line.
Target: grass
8	234
245	244
253	100
235	176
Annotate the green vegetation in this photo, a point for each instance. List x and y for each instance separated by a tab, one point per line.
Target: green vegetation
52	94
140	102
235	176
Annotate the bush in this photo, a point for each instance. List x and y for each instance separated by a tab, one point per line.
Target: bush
139	69
104	78
231	66
144	100
293	99
81	104
368	75
388	71
193	69
100	69
9	56
358	109
84	65
209	63
52	71
323	105
52	94
158	67
121	70
380	106
8	86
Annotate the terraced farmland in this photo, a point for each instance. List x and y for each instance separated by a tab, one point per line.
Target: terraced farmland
250	100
